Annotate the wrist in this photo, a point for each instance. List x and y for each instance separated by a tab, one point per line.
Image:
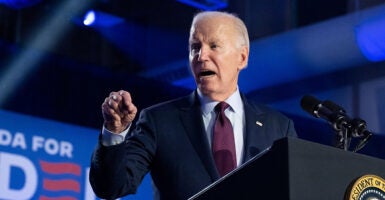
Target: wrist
114	128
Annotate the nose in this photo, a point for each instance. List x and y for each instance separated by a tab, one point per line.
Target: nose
203	54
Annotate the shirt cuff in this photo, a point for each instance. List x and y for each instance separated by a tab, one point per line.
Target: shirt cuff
110	139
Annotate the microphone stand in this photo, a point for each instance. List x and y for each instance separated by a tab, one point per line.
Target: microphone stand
363	142
345	131
359	130
344	137
347	138
341	125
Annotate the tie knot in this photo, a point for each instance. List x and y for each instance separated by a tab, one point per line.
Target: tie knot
221	107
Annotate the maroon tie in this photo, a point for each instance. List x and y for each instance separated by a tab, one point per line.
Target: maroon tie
223	141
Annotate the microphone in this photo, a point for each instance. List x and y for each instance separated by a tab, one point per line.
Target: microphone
319	110
334	107
311	105
358	126
337	117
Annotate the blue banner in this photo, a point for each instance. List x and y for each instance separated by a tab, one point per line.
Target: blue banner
46	160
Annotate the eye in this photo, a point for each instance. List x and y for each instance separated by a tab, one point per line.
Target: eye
213	46
195	47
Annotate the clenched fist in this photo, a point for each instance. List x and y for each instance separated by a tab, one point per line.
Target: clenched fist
118	111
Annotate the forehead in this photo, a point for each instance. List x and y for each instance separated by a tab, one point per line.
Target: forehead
212	28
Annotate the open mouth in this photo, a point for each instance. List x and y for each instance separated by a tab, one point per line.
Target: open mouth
206	73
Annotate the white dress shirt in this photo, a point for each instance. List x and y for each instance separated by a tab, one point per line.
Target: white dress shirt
236	115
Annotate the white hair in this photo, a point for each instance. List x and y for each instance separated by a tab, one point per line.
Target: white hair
238	24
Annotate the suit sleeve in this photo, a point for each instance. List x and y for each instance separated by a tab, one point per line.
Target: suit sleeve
119	169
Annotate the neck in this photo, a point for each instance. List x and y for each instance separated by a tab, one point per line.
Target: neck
220	96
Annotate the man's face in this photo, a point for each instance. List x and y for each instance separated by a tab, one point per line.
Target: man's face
216	56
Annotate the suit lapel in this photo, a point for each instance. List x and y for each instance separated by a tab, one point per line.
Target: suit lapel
254	130
191	117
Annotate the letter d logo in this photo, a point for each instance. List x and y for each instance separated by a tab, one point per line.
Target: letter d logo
27	191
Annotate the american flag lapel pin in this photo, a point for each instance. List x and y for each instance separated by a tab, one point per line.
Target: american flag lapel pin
258	123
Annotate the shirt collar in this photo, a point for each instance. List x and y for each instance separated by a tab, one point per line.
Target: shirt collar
235	102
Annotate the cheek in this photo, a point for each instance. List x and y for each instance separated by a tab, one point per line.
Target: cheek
192	62
230	71
193	69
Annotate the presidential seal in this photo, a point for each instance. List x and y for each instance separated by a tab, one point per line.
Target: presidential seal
367	187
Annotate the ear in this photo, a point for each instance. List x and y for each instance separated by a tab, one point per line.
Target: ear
243	57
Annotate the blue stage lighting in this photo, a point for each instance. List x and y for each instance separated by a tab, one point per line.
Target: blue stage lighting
206	4
99	19
370	36
44	37
89	18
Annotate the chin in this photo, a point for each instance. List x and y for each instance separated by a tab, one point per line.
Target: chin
207	90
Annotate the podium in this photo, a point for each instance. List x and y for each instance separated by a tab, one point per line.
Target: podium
294	169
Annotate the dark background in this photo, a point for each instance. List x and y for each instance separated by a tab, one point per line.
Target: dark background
52	66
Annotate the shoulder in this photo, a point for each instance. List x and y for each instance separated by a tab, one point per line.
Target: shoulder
274	120
183	102
262	109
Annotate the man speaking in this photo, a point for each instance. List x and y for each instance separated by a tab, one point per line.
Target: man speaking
190	142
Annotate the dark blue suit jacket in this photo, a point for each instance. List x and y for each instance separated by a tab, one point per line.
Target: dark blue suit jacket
169	140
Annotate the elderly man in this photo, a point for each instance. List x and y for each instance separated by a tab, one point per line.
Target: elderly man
190	142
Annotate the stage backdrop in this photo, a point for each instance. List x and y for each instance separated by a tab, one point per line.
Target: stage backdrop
42	159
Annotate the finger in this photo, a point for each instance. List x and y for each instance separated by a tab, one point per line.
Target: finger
125	95
123	92
109	114
115	96
132	109
106	104
112	103
109	104
127	100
